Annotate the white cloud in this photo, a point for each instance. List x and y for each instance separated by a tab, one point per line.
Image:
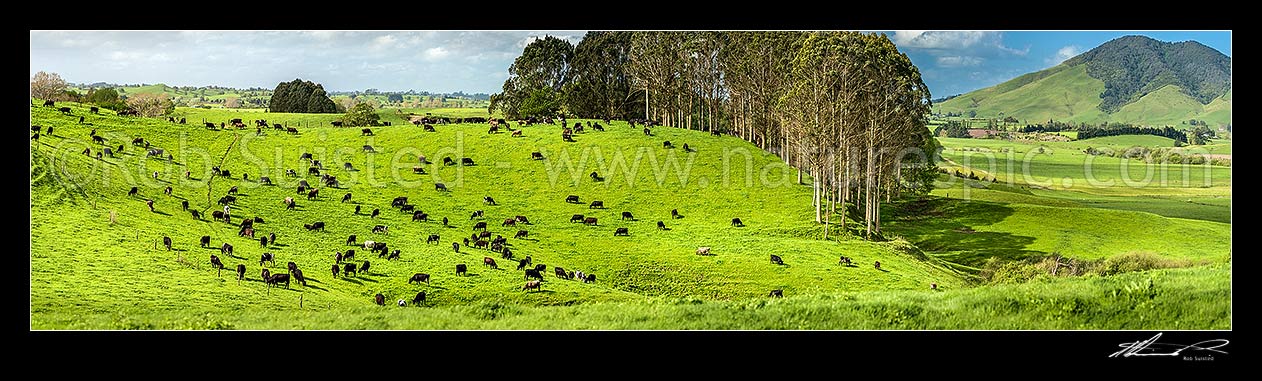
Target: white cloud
1063	54
940	39
435	53
959	61
124	56
382	42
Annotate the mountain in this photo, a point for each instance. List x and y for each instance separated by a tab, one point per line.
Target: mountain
1131	79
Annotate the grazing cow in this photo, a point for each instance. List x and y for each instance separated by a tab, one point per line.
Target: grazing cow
737	222
479	226
532	273
596	177
407	208
561	273
666	144
590	221
461	269
205	241
440	187
368	148
291	130
571	199
674	214
225	200
487	261
506	254
133	191
521	234
455	246
226	249
196	215
289	203
233	190
419	299
488	200
541	267
647	132
522	264
305	155
509	222
66	110
704	250
298	276
366	131
240	271
775	259
444	221
263	241
349	255
346	197
375	212
313	171
166	241
596	204
776	293
364	269
476	214
466	161
379	298
381	229
291	173
214	262
312	194
627	216
536	156
98	139
661	225
349	269
48	103
418	170
419	277
591	278
420	216
429	128
480	244
517	134
878	265
532	285
844	260
267	257
246	232
621	231
318	225
336	123
433	238
265	180
35	137
272	238
348	166
522	219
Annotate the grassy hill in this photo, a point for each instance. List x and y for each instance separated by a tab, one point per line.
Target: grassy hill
83	263
1175	83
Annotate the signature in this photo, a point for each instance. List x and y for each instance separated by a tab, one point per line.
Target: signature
1151	347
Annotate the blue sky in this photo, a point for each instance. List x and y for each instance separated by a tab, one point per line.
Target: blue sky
951	62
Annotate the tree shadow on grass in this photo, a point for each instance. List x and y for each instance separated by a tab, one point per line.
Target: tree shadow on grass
948	228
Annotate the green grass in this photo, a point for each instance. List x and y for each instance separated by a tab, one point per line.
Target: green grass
81	263
1068	93
1191	298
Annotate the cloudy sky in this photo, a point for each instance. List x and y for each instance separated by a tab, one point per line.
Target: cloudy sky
951	62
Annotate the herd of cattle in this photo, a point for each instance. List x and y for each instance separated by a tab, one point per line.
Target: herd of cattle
341	262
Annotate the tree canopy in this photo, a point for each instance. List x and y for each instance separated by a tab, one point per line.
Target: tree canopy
301	97
536	79
47	86
361	114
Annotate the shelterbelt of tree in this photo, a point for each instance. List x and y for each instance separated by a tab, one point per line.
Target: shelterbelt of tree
98	246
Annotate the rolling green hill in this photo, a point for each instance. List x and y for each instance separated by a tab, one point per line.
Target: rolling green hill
82	262
1132	79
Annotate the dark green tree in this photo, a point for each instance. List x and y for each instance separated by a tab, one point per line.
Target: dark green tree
301	97
394	98
536	80
600	86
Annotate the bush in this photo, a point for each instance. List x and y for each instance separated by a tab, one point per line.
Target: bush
361	115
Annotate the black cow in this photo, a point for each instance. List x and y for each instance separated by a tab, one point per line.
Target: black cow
479	226
455	246
205	241
133	191
621	231
419	299
476	214
627	216
776	293
536	155
666	144
419	277
561	273
318	225
346	197
737	222
66	110
541	267
466	161
267	257
214	262
488	200
349	269
298	276
335	270
407	208
571	199
49	103
590	221
225	249
379	298
184	204
433	238
591	278
336	123
240	271
265	180
166	241
381	229
461	269
376	212
596	204
775	259
661	225
364	268
674	214
368	148
420	216
366	131
440	187
521	234
532	273
350	240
